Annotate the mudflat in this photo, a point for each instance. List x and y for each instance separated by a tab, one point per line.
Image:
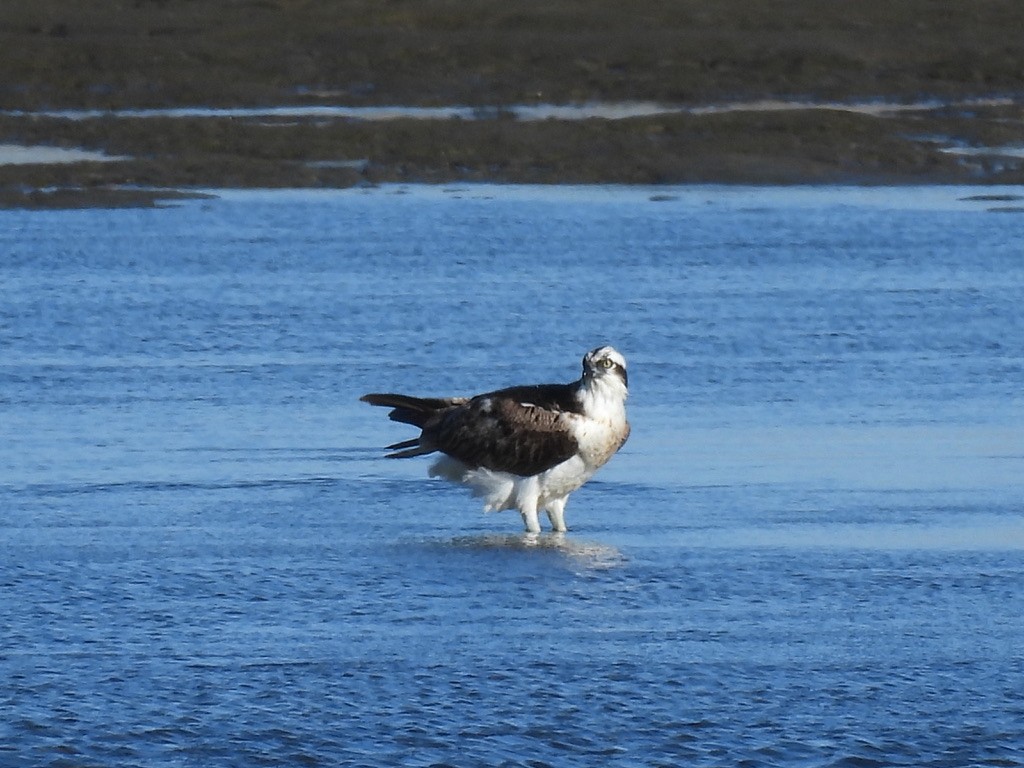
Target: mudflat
917	91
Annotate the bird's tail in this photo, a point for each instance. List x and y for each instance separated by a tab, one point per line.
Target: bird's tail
411	410
407	448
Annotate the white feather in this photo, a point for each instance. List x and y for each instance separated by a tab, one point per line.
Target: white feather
503	490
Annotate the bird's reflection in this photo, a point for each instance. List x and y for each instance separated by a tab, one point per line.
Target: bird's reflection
589	554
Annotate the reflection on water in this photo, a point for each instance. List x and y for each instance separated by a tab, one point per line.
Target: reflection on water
581	553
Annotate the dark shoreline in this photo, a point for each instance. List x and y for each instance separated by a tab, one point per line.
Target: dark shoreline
176	53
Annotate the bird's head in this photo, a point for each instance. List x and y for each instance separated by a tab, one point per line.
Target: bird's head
605	365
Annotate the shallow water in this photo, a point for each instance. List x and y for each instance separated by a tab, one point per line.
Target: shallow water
16	154
601	110
810	552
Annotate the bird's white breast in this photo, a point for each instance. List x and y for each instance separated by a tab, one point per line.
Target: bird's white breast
598	440
600	430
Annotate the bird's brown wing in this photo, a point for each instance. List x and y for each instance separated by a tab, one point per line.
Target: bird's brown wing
503	434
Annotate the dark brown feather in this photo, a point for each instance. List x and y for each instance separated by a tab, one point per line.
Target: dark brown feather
517	429
556	397
411	410
502	434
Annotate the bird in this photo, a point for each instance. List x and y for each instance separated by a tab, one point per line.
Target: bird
523	447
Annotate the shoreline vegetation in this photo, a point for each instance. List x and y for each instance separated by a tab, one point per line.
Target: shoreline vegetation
917	92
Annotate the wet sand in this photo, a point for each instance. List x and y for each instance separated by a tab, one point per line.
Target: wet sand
865	93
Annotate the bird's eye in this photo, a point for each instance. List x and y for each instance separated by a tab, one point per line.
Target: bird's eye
606	363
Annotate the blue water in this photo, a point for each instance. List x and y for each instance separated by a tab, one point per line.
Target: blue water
810	552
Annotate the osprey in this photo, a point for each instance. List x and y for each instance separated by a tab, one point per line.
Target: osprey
526	447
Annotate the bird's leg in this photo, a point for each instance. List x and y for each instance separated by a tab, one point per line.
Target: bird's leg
527	496
530	521
556	514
